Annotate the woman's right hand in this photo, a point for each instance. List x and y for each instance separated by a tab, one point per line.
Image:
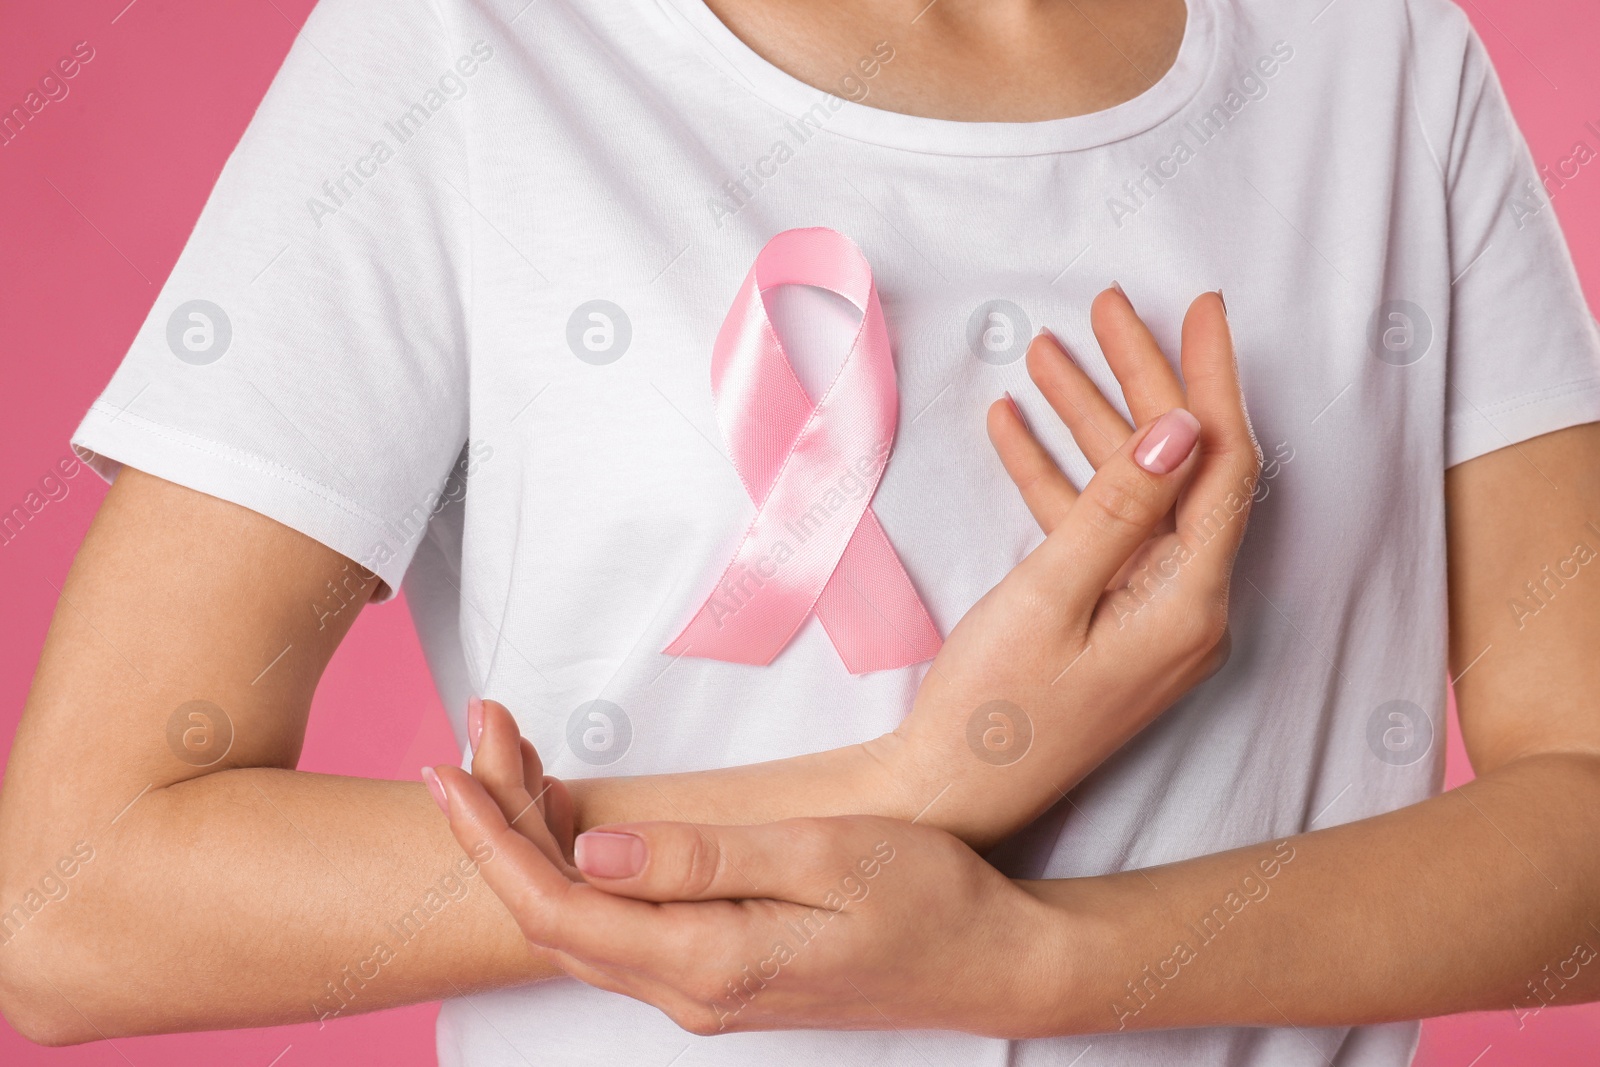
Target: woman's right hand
1120	610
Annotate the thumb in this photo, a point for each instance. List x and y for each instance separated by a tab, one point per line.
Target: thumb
798	860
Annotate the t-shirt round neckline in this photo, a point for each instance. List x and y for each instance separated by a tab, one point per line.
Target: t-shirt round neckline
916	133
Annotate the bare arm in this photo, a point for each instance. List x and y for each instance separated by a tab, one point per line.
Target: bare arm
1487	897
224	895
264	895
153	824
1132	647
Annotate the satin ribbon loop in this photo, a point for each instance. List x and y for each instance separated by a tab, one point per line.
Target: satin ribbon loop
811	469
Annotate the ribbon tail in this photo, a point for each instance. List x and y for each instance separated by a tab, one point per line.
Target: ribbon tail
737	633
870	608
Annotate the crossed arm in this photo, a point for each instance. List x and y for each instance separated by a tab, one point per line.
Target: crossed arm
258	892
1487	897
177	596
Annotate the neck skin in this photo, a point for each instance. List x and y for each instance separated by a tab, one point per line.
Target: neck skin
968	60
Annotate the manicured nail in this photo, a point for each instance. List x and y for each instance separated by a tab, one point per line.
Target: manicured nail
1061	346
1168	442
1223	301
474	721
609	855
1016	410
436	787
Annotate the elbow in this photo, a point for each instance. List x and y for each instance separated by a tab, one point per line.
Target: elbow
38	995
30	1014
49	1033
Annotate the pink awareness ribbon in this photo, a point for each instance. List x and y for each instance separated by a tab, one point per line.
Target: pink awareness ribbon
811	469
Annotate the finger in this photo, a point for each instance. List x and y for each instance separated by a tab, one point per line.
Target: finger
534	780
559	814
1124	502
498	761
798	860
1096	426
554	908
505	764
512	865
1147	379
1045	490
1213	511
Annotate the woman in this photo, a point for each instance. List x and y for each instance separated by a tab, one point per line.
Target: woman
466	246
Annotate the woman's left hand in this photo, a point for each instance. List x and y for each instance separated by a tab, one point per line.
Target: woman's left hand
802	924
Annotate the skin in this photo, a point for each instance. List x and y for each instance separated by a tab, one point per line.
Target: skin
176	596
1487	897
169	600
1008	61
1068	684
196	869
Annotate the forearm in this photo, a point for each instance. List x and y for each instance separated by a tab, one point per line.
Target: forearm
253	897
866	779
925	772
1487	897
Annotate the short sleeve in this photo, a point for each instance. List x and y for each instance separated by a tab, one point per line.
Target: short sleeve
307	357
1524	356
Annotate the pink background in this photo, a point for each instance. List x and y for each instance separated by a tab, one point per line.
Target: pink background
96	198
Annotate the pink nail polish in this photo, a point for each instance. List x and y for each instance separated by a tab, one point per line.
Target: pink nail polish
605	854
474	721
1168	442
436	787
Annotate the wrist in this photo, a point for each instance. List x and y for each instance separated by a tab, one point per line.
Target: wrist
883	778
932	775
1071	982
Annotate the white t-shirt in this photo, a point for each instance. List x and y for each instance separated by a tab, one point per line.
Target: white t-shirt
520	225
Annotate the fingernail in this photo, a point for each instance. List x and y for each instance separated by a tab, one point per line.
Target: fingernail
474	721
1118	287
609	855
1168	442
1061	346
436	787
1016	410
1223	301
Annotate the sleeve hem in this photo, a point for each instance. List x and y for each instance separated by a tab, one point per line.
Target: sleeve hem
1478	431
109	438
